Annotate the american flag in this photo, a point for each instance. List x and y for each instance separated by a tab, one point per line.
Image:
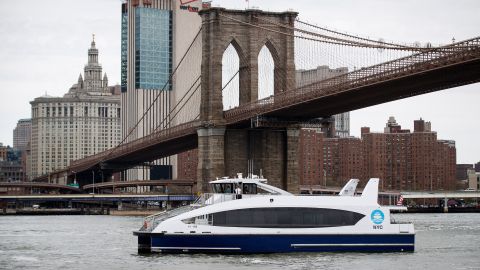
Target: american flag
400	201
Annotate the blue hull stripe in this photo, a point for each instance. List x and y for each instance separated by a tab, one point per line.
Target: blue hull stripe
281	243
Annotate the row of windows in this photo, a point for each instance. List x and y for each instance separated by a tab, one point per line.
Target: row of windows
152	48
72	114
284	217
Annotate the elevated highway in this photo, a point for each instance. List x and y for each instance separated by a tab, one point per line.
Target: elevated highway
441	195
40	185
98	197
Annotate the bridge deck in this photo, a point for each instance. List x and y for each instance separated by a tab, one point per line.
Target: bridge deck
99	197
441	195
185	183
38	185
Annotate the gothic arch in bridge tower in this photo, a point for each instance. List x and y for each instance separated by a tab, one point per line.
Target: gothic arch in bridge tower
247	31
268	67
235	79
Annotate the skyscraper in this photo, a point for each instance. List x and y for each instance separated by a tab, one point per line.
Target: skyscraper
22	133
155	35
83	122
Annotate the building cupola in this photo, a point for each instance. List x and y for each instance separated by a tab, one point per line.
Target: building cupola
93	53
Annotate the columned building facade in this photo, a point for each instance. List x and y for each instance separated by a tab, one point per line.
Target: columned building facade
83	122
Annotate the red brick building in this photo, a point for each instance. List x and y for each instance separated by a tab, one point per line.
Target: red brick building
311	159
375	155
331	161
187	165
412	161
403	160
350	159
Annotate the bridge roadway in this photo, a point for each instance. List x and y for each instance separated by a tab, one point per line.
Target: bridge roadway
190	197
39	185
441	194
438	194
420	73
122	184
444	195
99	186
98	197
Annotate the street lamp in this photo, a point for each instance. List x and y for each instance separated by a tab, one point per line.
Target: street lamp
101	172
93	178
74	177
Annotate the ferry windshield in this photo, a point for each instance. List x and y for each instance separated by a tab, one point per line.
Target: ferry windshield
222	188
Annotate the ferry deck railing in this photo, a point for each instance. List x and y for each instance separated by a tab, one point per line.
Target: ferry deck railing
152	221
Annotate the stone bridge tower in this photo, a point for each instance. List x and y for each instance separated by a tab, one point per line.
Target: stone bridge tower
225	150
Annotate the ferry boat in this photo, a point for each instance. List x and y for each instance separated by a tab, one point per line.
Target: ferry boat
246	215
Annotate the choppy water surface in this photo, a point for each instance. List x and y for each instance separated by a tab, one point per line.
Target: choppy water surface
443	241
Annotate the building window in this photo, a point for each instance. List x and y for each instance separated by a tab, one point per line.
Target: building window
153	48
285	217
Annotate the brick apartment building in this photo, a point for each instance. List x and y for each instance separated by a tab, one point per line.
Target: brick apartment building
403	160
311	162
187	165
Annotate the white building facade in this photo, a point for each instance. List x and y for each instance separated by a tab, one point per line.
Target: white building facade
83	122
473	180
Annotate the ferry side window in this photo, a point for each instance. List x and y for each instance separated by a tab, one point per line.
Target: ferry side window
246	189
249	189
228	188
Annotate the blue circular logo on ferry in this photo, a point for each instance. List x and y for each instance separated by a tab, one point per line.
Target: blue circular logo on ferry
377	216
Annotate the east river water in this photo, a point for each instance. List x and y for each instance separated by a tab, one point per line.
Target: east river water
443	241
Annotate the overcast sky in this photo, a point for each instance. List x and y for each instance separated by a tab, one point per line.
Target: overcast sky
44	49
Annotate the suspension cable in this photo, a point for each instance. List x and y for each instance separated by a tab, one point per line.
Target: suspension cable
354	37
156	98
344	41
338	40
178	103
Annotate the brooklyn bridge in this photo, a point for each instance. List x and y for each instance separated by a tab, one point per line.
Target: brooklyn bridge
259	131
